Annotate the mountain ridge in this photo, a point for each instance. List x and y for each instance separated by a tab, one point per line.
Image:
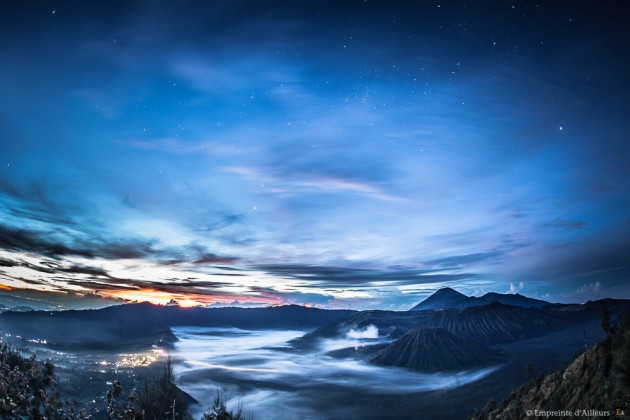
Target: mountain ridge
448	298
140	323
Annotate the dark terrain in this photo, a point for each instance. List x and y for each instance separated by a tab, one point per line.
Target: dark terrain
595	384
139	325
435	350
511	334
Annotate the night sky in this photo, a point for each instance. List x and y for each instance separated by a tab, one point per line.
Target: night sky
353	154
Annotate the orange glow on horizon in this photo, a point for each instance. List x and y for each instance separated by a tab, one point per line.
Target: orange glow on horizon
158	297
5	287
153	296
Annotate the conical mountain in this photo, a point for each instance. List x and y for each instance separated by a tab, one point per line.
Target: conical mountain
435	350
445	298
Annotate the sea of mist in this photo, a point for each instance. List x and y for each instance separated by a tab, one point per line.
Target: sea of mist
264	373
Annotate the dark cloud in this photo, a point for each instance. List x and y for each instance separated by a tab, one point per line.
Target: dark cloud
355	277
7	263
51	268
79	269
202	259
186	286
565	225
294	298
214	259
41	243
238	303
96	284
35	282
16	239
606	263
178	286
33	201
464	260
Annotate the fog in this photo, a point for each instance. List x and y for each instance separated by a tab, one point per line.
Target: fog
368	332
263	372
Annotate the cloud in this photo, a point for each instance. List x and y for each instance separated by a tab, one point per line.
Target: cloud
16	239
515	288
6	263
465	260
340	277
565	225
202	258
80	269
194	286
238	303
301	183
95	294
370	331
40	243
222	146
589	287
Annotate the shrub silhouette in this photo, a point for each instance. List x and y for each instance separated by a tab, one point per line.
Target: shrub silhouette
158	399
28	390
219	411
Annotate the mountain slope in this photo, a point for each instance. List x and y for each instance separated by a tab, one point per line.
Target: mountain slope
498	323
434	350
597	380
494	323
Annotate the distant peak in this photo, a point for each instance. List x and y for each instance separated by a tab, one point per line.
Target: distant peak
447	294
442	299
448	291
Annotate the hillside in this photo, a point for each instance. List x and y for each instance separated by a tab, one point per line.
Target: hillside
25	386
435	350
597	380
494	323
499	323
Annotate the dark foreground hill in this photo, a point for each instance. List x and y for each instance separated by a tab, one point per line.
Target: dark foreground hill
435	350
596	384
143	323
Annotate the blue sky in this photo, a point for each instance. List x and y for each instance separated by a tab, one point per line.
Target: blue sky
358	155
